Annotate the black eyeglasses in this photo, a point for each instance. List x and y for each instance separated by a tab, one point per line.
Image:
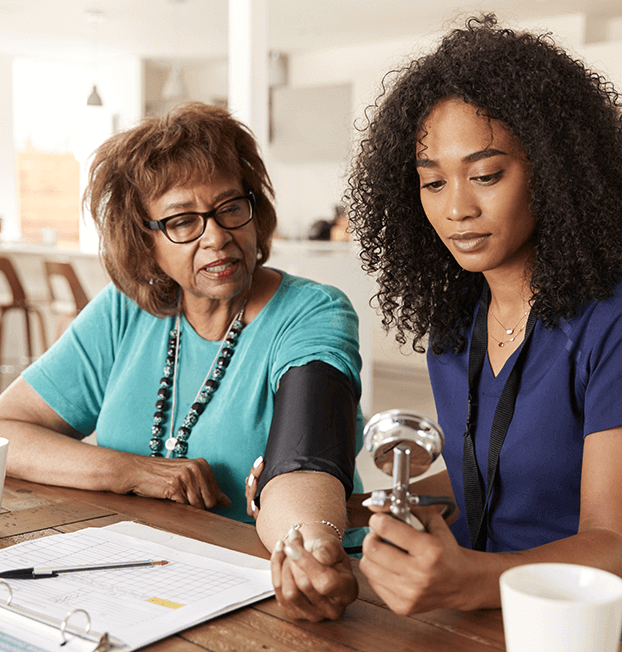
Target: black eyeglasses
187	227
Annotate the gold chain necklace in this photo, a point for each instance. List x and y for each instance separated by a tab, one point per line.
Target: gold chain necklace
508	331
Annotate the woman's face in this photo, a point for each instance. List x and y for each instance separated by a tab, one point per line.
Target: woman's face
475	188
220	264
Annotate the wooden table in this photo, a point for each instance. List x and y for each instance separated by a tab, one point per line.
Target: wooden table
30	510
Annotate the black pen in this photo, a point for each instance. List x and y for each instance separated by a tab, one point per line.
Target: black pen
35	573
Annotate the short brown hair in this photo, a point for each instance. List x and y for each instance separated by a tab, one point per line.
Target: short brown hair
137	166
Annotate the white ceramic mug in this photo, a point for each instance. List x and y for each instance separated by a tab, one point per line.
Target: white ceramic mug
4	445
561	608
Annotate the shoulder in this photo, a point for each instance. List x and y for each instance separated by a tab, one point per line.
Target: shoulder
297	288
108	297
113	308
596	315
303	306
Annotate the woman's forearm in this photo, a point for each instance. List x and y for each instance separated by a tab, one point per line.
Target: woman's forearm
49	457
597	548
42	455
308	497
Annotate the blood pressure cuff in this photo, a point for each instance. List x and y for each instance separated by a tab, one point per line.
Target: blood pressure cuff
313	426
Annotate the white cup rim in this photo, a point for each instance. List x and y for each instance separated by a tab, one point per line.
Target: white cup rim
518	579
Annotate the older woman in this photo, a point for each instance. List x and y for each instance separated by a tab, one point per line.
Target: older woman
487	194
198	357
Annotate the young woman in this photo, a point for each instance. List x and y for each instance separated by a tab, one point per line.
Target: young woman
487	197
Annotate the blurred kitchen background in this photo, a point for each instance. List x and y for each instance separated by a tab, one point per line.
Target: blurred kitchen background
299	72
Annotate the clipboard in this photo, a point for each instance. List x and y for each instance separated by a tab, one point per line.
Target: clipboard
200	582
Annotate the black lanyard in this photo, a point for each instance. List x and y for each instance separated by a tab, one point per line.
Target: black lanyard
476	498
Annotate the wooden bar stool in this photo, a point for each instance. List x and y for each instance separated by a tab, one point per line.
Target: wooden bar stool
19	301
67	310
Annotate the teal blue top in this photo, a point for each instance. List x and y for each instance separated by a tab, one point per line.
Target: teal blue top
104	373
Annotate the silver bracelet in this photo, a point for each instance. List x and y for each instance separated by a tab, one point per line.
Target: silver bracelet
297	526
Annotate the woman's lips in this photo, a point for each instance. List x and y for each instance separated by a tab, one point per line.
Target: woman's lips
469	241
220	268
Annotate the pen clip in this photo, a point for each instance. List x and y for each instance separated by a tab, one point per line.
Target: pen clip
26	574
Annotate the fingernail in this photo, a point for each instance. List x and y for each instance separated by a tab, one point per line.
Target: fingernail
253	506
292	533
251	480
258	461
291	553
279	546
368	502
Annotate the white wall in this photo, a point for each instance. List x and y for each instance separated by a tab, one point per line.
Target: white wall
606	58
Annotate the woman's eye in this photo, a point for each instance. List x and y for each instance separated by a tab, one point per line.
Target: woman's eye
229	209
182	222
488	179
432	185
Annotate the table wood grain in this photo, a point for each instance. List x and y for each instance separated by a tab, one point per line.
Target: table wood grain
30	510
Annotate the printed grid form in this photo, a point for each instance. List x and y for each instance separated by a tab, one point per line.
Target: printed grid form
104	592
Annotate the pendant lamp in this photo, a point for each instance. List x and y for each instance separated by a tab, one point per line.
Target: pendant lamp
94	99
94	18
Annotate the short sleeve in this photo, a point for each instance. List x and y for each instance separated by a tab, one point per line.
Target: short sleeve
71	376
602	366
322	325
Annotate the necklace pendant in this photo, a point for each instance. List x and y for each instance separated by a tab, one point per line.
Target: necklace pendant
500	344
170	443
509	331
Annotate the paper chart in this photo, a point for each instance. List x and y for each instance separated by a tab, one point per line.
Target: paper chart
135	605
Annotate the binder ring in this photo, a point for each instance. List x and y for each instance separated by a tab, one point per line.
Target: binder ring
10	590
63	625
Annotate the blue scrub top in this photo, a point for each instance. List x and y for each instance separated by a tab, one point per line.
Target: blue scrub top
571	387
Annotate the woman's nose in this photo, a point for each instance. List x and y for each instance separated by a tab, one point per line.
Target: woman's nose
214	236
460	202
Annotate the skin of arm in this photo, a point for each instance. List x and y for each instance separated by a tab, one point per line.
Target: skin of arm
44	448
301	497
435	572
311	573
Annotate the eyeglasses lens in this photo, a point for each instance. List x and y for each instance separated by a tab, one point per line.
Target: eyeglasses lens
233	213
190	226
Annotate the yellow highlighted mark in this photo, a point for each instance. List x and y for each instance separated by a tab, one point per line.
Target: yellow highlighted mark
165	603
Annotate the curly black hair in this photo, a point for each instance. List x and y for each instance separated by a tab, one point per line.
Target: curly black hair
569	122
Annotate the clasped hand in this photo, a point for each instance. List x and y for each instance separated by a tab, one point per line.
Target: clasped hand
312	579
187	481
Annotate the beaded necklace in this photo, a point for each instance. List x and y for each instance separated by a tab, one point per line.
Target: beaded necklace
179	443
